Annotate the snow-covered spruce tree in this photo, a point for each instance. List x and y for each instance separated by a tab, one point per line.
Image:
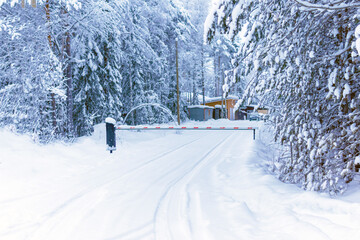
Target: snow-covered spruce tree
32	96
97	75
298	58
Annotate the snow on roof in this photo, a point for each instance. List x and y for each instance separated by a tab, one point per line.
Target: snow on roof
187	95
199	106
216	99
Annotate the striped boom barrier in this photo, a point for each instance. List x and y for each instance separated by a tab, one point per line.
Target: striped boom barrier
110	136
186	128
191	128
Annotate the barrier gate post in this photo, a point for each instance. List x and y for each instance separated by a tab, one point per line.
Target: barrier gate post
110	134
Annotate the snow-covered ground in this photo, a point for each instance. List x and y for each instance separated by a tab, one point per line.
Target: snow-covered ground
160	185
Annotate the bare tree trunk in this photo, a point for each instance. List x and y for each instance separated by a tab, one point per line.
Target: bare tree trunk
177	83
131	69
220	84
131	96
189	88
53	102
68	71
219	76
203	74
194	100
215	75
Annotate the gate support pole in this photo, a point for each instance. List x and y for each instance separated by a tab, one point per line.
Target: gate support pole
110	134
254	133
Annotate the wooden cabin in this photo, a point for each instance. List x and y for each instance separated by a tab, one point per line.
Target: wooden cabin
228	104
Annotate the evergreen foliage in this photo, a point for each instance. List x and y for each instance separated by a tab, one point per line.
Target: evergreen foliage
97	74
68	65
32	92
298	57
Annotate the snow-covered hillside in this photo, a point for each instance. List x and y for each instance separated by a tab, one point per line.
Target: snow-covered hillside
160	185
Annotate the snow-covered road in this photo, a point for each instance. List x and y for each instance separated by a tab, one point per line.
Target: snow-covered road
188	185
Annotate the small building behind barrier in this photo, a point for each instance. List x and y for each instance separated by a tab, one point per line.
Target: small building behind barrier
226	105
200	112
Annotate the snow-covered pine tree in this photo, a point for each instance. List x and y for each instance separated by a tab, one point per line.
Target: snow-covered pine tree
298	58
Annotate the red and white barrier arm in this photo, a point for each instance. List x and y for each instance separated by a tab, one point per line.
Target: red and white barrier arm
184	128
130	128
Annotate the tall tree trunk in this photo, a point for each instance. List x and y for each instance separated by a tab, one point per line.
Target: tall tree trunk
203	74
68	71
219	76
131	66
177	82
194	100
131	95
189	88
52	95
220	85
215	75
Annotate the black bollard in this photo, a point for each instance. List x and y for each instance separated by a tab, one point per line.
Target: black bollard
110	134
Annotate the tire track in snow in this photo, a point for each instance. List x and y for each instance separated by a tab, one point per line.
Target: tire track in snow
162	228
159	157
50	216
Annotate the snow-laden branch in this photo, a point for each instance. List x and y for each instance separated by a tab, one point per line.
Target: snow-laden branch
336	54
327	7
69	3
357	36
165	109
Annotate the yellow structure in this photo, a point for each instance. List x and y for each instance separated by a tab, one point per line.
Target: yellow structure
33	3
228	104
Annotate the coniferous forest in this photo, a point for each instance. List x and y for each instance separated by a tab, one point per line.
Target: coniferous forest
67	65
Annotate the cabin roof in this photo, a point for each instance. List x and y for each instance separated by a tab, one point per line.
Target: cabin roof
199	106
217	99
